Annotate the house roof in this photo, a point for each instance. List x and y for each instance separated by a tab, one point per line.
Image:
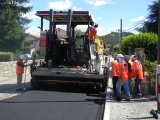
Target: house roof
31	37
34	35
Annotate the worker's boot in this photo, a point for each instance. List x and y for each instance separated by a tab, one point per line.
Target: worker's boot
128	98
19	89
118	97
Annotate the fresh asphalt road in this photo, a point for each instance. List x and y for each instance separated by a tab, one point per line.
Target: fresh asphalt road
56	102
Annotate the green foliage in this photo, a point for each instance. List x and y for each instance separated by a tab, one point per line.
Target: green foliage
152	87
148	41
152	20
6	56
12	24
118	49
78	32
13	39
150	70
113	38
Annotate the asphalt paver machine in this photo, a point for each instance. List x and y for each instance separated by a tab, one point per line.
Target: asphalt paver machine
68	57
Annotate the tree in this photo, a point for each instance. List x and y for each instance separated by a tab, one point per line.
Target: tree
148	41
12	24
78	32
151	25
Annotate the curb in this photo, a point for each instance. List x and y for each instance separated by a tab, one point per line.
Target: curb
107	105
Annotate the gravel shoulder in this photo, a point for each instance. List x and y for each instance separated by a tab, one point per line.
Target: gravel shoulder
137	108
8	79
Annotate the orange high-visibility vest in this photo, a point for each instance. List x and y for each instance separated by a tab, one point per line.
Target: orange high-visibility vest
137	69
140	72
19	69
123	71
92	32
115	68
131	74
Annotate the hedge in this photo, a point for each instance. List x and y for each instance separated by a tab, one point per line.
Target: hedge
148	41
6	56
150	70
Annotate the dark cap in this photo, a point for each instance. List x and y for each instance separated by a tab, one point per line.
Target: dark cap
96	25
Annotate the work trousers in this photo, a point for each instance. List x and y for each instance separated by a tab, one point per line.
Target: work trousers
19	80
130	84
114	82
123	83
138	86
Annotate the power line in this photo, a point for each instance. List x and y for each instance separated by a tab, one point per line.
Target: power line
138	24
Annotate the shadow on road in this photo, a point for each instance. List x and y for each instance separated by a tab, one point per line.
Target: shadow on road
141	118
65	88
69	88
60	88
56	89
11	88
97	101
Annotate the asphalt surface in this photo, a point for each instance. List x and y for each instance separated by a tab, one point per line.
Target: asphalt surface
56	102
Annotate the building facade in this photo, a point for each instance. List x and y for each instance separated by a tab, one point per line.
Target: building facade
31	44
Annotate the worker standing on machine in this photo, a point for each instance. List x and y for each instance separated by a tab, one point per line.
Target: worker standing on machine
91	32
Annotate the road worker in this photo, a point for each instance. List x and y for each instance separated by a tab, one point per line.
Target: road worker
19	71
138	74
99	50
115	74
114	68
130	74
91	32
123	79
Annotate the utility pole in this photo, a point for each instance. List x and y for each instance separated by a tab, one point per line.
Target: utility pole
119	39
120	30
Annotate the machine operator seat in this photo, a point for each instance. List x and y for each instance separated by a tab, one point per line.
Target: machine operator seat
61	34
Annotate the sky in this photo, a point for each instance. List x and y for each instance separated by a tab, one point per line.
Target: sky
106	13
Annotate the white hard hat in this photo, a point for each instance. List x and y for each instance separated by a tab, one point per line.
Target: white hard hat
24	56
132	56
21	57
120	56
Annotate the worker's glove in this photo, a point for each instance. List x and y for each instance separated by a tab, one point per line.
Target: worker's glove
132	79
104	66
26	60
